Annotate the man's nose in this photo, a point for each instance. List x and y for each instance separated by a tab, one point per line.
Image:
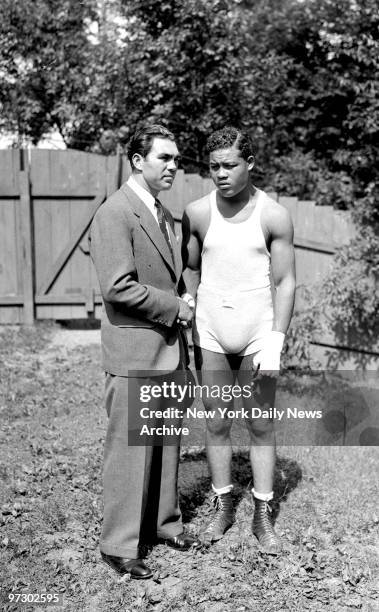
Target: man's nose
221	172
172	165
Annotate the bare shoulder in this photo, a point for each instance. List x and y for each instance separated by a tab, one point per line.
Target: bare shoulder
198	212
198	208
276	218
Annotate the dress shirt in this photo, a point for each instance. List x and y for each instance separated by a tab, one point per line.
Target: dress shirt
146	198
144	195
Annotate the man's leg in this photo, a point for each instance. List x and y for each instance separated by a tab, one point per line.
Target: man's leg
169	526
125	475
214	371
169	521
262	456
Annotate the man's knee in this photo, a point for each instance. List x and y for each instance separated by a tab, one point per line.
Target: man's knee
260	428
216	424
219	427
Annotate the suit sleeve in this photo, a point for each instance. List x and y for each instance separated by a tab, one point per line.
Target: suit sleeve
112	253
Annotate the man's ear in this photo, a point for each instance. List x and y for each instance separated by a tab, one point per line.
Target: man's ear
250	160
137	161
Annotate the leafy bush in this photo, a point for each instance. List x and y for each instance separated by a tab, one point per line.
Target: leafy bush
351	291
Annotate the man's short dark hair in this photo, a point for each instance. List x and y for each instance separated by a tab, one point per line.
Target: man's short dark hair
228	137
142	140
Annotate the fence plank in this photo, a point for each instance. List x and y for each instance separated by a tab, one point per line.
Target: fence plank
305	215
43	233
193	185
174	198
66	173
114	173
10	248
11	300
27	250
323	223
74	298
9	269
9	176
125	169
61	234
291	206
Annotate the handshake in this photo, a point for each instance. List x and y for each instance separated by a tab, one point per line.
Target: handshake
186	310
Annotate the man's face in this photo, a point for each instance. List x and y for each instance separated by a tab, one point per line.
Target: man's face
229	170
160	164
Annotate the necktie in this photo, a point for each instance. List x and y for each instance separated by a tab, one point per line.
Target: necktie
162	224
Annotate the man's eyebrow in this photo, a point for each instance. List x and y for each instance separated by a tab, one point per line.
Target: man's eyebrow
224	161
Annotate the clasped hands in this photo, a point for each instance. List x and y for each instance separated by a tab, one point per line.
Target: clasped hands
186	310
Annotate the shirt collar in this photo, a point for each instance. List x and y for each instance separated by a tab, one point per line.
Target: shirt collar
142	193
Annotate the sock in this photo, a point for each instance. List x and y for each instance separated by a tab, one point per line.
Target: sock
263	496
223	490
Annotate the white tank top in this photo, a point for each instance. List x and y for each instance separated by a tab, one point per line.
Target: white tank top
235	256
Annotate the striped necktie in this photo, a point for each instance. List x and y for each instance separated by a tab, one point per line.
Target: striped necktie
163	225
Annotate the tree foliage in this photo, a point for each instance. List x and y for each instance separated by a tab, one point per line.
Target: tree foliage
332	109
300	76
44	63
187	65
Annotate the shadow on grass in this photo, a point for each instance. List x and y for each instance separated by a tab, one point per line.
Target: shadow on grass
195	482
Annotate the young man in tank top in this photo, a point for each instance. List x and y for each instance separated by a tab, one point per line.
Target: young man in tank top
235	240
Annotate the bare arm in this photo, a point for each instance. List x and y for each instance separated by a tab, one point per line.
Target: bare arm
191	254
283	267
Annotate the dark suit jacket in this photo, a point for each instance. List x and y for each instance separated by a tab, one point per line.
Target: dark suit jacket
139	285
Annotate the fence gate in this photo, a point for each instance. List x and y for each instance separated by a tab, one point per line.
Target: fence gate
47	201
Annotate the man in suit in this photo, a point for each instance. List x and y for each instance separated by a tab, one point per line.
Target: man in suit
137	259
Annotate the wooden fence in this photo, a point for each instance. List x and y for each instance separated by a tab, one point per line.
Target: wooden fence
47	201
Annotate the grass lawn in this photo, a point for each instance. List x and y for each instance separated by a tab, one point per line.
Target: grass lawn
51	445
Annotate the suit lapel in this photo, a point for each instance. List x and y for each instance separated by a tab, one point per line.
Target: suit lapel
151	228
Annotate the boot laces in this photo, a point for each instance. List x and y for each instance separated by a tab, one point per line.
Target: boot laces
263	524
265	514
221	504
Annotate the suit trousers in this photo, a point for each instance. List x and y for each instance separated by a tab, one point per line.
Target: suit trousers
140	482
